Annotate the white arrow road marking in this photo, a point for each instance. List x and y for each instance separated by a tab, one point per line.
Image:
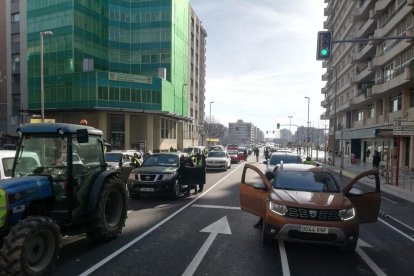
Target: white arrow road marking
219	227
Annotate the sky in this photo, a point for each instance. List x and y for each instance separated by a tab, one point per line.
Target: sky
261	61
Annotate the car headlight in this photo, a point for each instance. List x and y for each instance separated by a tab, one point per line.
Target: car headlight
278	208
168	176
346	214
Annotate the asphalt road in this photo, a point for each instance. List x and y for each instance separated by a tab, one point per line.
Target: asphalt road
208	234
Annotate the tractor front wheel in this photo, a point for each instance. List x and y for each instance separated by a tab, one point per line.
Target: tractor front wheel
109	217
31	247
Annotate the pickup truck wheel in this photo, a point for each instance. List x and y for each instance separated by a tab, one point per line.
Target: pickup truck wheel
31	247
266	238
176	190
109	216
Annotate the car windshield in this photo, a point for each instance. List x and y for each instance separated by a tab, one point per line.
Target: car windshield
275	159
112	157
307	181
217	154
161	160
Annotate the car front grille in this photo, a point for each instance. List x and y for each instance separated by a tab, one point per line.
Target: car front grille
313	214
148	177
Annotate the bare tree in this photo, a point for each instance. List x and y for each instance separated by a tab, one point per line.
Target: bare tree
213	128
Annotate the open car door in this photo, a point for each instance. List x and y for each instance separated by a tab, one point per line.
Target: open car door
193	175
254	191
366	198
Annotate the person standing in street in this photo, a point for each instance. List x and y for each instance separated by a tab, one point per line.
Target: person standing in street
256	153
376	160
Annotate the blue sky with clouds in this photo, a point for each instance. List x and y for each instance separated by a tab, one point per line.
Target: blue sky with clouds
261	60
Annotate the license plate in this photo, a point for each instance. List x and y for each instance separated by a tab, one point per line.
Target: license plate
313	229
146	189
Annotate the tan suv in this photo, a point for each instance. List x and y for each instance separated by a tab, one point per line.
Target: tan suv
304	203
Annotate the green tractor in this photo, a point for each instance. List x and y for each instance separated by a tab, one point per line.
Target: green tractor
60	186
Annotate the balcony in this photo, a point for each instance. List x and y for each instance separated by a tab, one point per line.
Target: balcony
381	5
363	10
325	76
394	49
324	90
325	103
387	26
358	100
325	64
358	124
367	28
325	116
367	51
364	75
399	80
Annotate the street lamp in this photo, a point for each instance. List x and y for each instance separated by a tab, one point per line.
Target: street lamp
209	126
42	85
182	111
290	133
335	119
307	138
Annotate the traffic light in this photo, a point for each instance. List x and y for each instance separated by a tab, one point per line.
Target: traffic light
324	46
267	132
278	126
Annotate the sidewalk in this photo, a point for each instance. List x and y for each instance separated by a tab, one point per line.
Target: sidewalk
404	190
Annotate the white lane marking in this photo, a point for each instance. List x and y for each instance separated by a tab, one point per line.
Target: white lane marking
216	207
362	243
375	268
219	227
392	227
284	259
400	222
387	199
143	235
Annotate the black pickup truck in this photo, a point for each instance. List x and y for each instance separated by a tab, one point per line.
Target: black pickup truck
164	174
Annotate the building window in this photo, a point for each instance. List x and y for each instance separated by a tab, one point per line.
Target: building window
15	17
371	111
360	115
395	103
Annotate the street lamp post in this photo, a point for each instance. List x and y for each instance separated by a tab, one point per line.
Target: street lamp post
335	119
209	126
42	85
307	138
290	133
182	112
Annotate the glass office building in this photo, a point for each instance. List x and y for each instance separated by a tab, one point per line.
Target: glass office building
120	64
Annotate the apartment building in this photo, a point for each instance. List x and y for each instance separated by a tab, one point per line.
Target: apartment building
125	66
242	132
369	91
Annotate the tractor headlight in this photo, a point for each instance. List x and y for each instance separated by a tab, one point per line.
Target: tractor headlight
346	214
278	208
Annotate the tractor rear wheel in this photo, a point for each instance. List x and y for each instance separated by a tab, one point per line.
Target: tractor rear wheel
109	217
31	247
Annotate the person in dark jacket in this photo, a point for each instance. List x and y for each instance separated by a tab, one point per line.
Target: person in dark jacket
376	160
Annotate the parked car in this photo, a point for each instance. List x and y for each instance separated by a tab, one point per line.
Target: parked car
120	161
277	157
218	160
6	163
164	174
304	203
234	157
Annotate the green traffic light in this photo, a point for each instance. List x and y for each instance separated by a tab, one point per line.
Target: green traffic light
324	52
